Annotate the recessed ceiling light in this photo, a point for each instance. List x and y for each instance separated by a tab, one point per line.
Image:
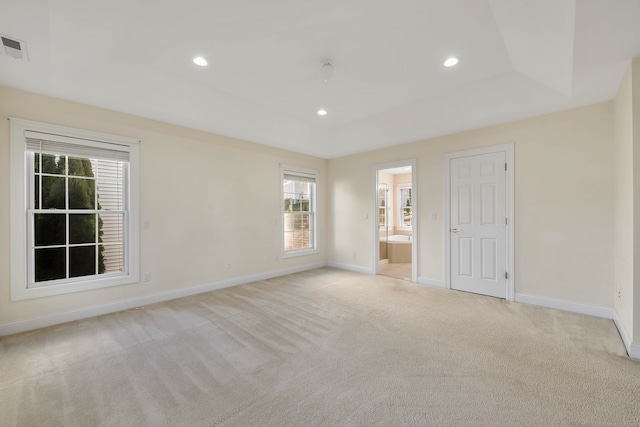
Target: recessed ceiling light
322	112
199	60
450	62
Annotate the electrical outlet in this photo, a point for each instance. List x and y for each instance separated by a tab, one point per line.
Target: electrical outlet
146	276
619	293
228	265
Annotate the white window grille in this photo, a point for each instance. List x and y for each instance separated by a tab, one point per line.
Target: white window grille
78	220
299	211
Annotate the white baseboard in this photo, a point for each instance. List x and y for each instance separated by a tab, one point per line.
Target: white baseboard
632	349
608	313
431	282
69	316
623	332
574	307
350	267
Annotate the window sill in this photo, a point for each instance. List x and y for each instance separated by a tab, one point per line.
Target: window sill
299	253
77	286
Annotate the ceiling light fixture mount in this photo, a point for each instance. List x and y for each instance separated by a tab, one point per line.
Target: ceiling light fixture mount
199	60
451	61
326	70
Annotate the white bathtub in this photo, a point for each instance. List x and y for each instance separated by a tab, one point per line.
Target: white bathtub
399	238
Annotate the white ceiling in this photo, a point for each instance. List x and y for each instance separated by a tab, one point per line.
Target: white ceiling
397	171
518	58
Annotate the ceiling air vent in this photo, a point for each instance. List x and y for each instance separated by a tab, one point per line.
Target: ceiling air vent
14	48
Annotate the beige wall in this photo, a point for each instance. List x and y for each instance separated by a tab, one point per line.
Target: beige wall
209	199
564	176
635	336
402	178
627	203
563	202
624	203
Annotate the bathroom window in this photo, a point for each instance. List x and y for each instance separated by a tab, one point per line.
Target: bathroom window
77	211
299	211
405	216
382	205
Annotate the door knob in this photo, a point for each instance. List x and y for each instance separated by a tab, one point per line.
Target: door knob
455	230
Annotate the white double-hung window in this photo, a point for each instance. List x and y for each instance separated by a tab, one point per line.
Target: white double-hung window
405	214
299	211
74	210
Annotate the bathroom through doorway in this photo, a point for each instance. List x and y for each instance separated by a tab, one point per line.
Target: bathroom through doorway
395	221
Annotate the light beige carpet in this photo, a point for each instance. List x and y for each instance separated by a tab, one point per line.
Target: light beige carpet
397	270
322	348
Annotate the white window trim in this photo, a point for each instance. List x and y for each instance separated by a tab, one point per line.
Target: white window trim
311	173
19	203
400	214
386	207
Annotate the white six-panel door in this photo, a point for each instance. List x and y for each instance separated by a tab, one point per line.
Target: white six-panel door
477	233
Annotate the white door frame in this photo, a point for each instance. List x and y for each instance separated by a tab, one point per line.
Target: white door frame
375	253
508	149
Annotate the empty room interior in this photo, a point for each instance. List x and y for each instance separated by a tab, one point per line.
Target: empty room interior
319	213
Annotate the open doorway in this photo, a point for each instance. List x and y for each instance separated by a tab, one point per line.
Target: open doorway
395	220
